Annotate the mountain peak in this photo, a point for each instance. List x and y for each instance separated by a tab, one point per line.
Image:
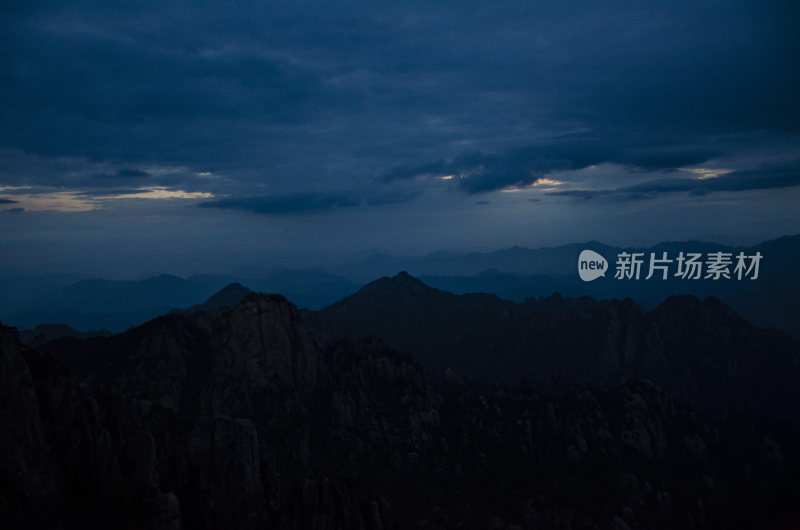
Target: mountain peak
231	294
403	280
389	290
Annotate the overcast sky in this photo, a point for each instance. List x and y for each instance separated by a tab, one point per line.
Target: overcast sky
201	136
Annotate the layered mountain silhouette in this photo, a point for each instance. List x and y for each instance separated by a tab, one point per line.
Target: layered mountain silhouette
514	274
519	273
236	417
700	351
104	304
558	260
115	305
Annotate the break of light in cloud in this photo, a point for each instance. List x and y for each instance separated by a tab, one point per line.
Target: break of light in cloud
158	192
707	173
58	201
543	184
79	201
547	182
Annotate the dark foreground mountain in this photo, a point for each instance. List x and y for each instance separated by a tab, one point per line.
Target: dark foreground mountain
234	418
699	351
44	333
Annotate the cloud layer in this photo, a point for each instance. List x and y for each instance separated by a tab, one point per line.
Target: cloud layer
296	96
423	116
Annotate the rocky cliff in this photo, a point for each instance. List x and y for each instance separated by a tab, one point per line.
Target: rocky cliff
236	418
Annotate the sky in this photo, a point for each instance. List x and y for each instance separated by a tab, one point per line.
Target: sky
195	136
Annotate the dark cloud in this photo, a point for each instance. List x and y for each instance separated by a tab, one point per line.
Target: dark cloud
132	173
782	176
584	195
659	159
377	86
764	178
476	172
7	201
396	197
409	172
286	204
291	108
617	195
302	203
120	176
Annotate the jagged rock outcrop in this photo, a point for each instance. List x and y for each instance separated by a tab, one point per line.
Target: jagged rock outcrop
24	448
20	425
236	418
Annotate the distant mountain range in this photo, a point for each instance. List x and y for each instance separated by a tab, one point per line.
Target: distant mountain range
117	305
519	273
523	261
513	274
234	417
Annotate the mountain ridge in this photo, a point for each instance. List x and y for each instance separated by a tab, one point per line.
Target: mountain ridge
562	342
117	305
236	418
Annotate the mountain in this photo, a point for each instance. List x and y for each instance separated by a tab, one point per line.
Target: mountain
236	418
700	351
519	273
45	333
109	304
521	261
515	260
313	289
514	274
229	295
117	305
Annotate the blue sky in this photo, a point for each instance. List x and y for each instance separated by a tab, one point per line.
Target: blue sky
196	137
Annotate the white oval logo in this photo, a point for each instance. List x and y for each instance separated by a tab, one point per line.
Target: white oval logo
591	265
